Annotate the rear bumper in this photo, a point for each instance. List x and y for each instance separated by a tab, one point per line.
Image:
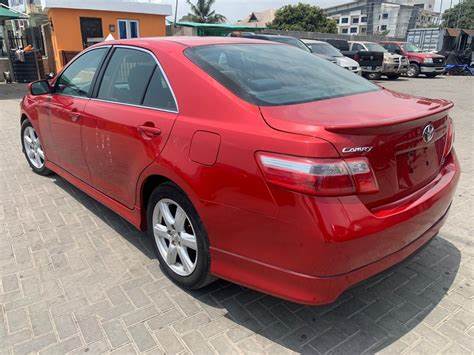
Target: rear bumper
307	289
372	69
314	252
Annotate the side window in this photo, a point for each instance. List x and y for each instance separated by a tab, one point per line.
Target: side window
127	76
76	80
159	93
357	47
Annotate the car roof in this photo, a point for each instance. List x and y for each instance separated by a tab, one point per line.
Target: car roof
263	35
394	42
186	41
313	41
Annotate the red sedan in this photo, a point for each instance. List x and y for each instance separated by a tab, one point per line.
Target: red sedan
248	160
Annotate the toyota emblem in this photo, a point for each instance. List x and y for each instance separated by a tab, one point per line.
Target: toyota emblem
428	133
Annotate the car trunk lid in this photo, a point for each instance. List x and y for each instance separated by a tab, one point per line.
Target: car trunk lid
384	126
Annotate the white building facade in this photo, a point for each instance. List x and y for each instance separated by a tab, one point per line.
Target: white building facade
392	18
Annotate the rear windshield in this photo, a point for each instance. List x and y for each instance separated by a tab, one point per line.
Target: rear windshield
291	41
325	49
272	74
375	47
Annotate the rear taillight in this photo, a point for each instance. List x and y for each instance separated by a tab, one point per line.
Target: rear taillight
324	177
449	138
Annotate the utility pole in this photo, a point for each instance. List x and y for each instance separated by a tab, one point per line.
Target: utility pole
440	12
175	13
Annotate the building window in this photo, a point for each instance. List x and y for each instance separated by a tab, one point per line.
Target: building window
344	20
128	29
383	27
353	29
355	20
344	30
363	19
384	16
363	30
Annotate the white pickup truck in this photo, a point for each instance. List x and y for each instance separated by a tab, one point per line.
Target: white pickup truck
393	64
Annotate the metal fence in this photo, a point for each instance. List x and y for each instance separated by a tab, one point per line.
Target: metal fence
32	36
319	35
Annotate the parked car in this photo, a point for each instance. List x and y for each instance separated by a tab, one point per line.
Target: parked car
328	52
370	62
429	64
247	160
393	66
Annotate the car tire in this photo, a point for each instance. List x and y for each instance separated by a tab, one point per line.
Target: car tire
413	70
33	150
373	76
431	75
187	267
393	76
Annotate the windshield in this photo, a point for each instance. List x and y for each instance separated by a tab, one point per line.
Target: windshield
272	74
325	49
375	47
292	42
409	47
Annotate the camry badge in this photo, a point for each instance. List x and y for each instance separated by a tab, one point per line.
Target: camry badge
428	133
356	149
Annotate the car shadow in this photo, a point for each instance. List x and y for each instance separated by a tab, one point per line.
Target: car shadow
13	91
366	318
384	79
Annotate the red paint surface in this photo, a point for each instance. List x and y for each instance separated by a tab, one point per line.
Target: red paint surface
304	248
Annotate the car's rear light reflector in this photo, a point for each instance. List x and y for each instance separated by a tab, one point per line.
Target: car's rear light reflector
325	177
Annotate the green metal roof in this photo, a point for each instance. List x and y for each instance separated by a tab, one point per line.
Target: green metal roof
217	25
7	14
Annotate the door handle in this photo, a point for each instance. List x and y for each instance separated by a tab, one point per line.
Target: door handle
75	115
149	131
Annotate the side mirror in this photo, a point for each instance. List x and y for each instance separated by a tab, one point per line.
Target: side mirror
40	87
398	51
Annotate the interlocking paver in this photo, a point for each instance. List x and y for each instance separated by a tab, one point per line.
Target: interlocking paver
76	277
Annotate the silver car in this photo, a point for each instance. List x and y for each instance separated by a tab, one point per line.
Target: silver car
327	51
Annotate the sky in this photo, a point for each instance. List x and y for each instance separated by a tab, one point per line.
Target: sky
235	10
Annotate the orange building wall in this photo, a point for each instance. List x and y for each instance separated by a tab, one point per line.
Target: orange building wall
66	34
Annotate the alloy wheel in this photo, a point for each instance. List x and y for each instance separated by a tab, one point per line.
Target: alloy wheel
34	150
175	237
412	71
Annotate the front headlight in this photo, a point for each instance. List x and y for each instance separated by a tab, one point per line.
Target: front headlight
428	60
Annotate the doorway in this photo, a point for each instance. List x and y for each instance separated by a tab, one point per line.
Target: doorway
91	31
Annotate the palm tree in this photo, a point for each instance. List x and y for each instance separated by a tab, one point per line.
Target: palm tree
202	12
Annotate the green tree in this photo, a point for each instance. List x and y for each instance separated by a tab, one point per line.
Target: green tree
202	12
460	15
302	17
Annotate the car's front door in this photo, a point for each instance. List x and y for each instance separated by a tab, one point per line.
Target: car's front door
66	106
127	122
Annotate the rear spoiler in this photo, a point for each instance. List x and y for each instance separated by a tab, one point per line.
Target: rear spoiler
435	111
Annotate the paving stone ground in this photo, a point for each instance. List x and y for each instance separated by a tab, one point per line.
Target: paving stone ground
75	277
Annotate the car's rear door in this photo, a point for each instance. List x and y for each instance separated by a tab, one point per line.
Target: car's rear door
65	108
127	121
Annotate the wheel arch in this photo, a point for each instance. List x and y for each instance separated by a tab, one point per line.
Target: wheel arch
150	183
23	118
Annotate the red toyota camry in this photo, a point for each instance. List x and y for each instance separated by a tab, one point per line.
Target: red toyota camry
248	160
